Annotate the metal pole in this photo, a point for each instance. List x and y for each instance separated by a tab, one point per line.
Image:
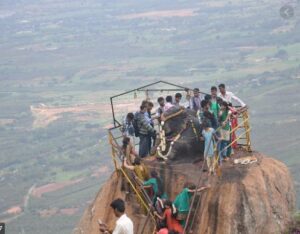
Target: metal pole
113	111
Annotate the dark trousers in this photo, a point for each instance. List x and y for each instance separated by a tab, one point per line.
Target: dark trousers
145	145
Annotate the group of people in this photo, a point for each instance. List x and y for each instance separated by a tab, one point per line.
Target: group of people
170	216
216	114
217	117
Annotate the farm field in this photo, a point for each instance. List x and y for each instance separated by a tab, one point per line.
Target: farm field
62	60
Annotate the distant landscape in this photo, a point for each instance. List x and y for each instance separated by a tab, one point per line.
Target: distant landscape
62	60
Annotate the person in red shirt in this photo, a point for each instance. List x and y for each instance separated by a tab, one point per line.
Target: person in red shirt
168	215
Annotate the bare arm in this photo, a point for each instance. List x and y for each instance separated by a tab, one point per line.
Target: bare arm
238	100
158	216
198	190
128	166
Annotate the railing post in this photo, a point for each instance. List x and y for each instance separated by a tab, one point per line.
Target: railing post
247	126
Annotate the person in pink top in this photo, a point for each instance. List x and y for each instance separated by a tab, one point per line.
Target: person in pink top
168	104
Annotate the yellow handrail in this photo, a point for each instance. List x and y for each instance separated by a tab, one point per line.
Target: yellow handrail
117	167
137	193
232	143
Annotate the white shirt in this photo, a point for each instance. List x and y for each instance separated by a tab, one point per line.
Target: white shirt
124	225
229	96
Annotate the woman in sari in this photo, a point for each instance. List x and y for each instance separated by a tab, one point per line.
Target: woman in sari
139	168
183	199
155	187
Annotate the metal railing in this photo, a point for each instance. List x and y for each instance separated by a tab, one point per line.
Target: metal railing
244	124
136	187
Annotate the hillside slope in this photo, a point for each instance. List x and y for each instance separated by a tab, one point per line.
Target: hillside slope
256	198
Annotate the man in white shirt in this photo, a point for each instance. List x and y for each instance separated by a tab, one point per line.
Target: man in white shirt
229	96
124	224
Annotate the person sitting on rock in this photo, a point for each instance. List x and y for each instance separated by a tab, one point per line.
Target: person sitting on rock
182	201
123	224
224	115
170	216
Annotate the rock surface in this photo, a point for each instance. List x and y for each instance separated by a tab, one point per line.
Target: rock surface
255	198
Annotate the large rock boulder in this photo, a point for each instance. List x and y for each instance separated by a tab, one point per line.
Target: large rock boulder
256	198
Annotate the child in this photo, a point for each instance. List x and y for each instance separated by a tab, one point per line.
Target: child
224	115
169	216
208	134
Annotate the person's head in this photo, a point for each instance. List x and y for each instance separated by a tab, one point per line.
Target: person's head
169	99
118	206
213	91
190	186
224	105
168	204
196	92
137	161
161	101
144	103
154	174
130	117
125	141
178	97
149	106
222	88
219	101
143	108
205	104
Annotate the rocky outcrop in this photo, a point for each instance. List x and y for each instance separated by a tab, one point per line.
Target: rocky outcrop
255	198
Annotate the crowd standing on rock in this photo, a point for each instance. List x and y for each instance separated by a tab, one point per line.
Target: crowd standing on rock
217	117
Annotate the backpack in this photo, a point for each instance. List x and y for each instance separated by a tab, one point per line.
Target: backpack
136	124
